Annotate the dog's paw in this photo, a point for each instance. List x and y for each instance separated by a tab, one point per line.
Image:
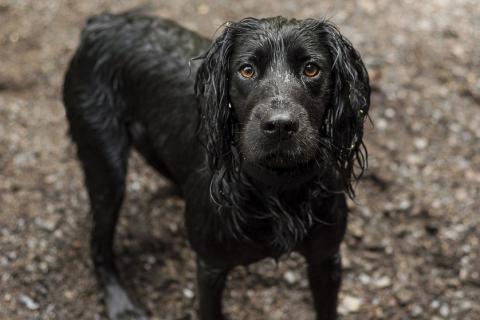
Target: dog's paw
119	306
130	314
126	312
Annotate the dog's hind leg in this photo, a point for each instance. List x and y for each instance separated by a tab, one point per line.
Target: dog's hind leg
104	160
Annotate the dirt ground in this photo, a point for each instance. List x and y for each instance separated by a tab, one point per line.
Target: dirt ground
412	250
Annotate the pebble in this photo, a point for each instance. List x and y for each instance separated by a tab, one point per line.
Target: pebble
381	124
444	310
28	302
364	278
420	143
290	277
188	293
404	296
389	113
404	204
435	304
69	294
48	224
349	304
383	282
416	310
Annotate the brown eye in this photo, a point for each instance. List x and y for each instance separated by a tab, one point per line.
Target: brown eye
247	71
311	70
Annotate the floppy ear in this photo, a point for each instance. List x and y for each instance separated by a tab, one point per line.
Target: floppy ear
349	106
211	88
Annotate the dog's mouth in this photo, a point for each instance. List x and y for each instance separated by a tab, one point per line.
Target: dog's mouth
281	171
285	164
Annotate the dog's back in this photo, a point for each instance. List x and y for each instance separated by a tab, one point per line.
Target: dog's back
130	75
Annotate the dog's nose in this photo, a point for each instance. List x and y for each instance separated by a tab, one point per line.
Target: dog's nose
282	125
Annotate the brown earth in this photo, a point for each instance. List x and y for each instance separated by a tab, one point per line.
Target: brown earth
412	251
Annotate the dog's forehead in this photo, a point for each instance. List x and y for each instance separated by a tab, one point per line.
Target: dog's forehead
274	34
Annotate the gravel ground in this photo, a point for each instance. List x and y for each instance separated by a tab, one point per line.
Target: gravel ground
412	250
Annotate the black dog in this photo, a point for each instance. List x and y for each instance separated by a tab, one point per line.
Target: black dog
263	165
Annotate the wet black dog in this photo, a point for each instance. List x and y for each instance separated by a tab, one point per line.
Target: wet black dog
263	144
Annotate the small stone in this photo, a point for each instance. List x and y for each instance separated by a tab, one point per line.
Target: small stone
383	282
381	124
364	278
12	255
461	194
151	259
43	266
463	274
48	224
389	113
351	204
349	304
28	302
414	158
444	310
188	293
404	296
417	310
420	143
466	305
404	204
173	227
356	231
435	304
290	277
69	294
135	186
3	261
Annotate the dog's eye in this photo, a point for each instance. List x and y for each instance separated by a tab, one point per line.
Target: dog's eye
311	70
247	71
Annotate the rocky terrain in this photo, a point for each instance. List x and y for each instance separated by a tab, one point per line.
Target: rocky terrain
412	250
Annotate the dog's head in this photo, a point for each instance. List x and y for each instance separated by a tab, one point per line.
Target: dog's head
286	96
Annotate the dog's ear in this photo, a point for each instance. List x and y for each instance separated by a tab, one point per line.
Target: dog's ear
349	106
211	88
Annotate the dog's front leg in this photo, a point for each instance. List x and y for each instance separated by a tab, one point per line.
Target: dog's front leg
211	282
325	275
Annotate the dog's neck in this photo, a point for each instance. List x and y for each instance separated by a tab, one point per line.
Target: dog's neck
275	211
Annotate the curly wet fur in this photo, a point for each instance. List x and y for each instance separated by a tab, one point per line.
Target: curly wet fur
132	83
340	139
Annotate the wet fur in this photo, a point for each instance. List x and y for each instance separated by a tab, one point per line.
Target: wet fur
144	82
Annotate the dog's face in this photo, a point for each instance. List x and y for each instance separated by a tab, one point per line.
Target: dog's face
279	87
284	95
